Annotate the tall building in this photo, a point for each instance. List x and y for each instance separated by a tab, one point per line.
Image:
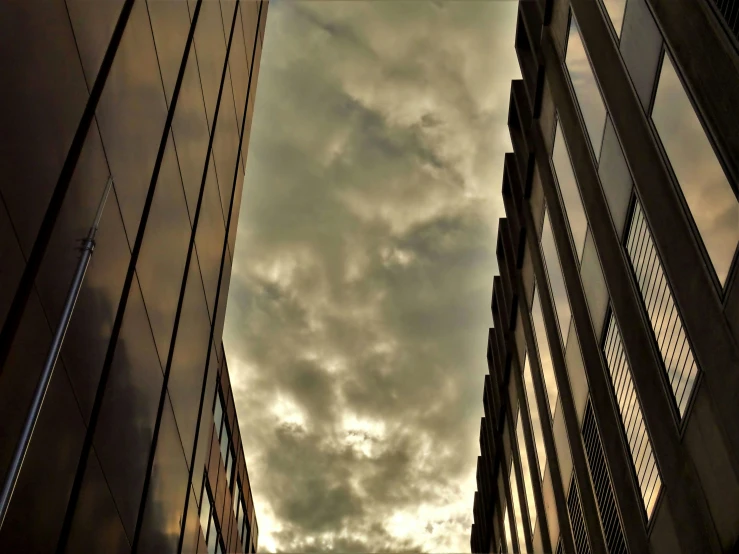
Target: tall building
612	399
157	95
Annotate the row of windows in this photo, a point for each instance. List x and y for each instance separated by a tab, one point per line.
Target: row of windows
710	199
242	520
720	239
224	437
208	523
223	433
666	323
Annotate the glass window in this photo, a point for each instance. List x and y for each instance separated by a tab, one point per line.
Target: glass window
205	512
586	88
224	437
572	203
615	178
545	356
615	10
218	414
556	278
677	355
237	502
507	530
594	286
629	406
208	523
536	424
513	482
526	471
707	192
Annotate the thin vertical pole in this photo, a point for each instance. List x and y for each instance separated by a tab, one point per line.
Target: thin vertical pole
88	245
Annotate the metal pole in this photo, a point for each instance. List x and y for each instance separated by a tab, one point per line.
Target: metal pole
88	245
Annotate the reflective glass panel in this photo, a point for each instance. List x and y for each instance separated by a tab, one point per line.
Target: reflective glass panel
526	471
709	195
615	10
586	88
556	278
507	530
513	482
629	406
572	203
545	356
536	425
205	512
218	415
677	355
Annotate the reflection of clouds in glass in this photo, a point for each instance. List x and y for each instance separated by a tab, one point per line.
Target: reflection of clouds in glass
663	314
570	193
541	455
556	278
586	89
513	482
615	10
629	407
526	471
545	355
709	195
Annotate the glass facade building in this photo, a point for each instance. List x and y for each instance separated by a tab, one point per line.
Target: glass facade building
159	96
612	398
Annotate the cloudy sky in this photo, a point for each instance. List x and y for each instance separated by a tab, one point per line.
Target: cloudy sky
359	302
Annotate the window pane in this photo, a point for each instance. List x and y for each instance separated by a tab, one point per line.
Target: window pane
615	10
507	530
237	498
629	406
573	208
709	195
677	355
556	278
513	482
545	356
526	470
218	414
586	89
204	512
212	536
536	425
224	446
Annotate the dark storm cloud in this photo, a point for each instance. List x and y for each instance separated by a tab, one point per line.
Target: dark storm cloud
359	301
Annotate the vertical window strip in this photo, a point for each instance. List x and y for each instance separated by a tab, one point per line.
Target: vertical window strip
677	355
526	471
507	530
556	278
536	422
640	446
545	354
517	510
589	99
610	518
570	192
709	196
574	508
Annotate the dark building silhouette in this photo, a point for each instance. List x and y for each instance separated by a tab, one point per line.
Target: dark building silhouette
159	95
612	399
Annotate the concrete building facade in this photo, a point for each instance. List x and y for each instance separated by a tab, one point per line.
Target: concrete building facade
159	96
613	389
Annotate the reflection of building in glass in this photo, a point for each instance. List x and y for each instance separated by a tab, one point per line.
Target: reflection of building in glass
160	96
611	403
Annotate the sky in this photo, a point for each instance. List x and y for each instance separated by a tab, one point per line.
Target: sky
359	302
